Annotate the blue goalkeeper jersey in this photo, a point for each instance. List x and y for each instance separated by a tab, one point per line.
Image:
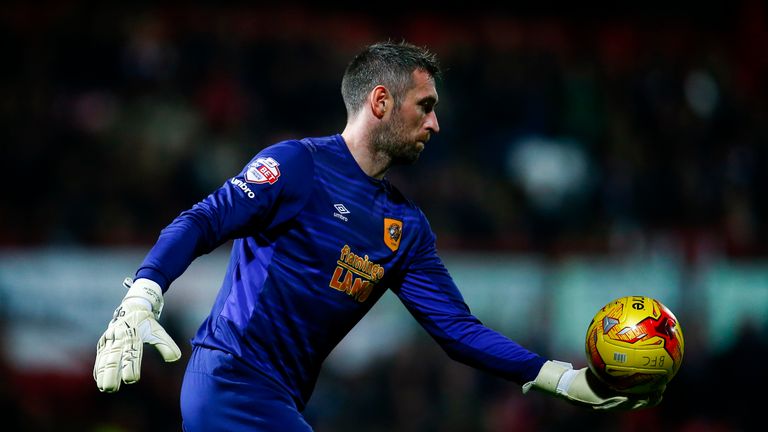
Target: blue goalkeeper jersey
316	244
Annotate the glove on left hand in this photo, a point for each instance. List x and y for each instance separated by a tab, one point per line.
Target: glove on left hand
583	388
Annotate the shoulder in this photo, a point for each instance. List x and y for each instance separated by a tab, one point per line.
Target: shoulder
278	159
399	199
287	148
299	148
410	212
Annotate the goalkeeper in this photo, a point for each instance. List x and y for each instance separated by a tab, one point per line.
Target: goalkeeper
319	235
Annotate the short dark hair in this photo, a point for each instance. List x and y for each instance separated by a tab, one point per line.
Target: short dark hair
385	63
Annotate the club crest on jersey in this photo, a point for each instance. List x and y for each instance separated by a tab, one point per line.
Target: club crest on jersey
393	231
263	170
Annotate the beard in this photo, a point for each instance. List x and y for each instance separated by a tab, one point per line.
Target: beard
391	140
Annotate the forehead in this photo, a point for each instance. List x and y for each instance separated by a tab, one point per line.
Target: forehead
423	85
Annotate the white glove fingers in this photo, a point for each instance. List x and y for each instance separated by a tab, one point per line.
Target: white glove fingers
97	363
629	403
166	346
611	403
108	374
153	333
131	355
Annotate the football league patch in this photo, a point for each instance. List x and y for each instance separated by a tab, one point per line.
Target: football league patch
263	170
393	231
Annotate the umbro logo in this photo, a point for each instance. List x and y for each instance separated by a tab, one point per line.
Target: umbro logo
341	208
340	212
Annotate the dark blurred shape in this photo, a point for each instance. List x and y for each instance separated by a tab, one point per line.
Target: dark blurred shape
115	118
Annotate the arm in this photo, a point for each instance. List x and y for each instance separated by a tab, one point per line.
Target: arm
431	296
263	196
247	204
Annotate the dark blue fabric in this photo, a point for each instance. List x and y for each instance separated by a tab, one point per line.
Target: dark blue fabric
217	395
316	243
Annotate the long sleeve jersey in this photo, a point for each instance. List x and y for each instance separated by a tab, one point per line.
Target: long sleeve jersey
316	243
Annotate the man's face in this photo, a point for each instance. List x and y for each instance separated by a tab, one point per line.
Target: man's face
403	135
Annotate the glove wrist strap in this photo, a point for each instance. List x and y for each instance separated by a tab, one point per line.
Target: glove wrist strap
147	290
549	377
565	381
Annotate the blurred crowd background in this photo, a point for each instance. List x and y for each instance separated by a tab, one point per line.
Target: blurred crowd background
629	130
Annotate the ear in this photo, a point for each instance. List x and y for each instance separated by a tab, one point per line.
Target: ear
380	101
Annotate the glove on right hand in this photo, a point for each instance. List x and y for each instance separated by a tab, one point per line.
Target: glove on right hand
134	322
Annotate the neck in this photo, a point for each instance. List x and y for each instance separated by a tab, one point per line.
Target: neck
358	140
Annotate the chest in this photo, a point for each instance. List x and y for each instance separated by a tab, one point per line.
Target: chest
354	213
352	231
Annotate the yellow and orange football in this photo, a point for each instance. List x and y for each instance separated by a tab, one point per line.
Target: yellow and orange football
635	345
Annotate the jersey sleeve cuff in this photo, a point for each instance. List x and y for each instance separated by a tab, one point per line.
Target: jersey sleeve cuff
532	371
155	276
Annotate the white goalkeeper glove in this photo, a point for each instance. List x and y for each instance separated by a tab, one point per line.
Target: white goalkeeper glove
120	348
582	387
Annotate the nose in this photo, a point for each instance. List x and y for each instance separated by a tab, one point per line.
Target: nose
431	124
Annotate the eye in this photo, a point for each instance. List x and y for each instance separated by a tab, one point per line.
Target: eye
427	106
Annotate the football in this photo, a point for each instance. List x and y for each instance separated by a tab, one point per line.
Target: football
635	345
